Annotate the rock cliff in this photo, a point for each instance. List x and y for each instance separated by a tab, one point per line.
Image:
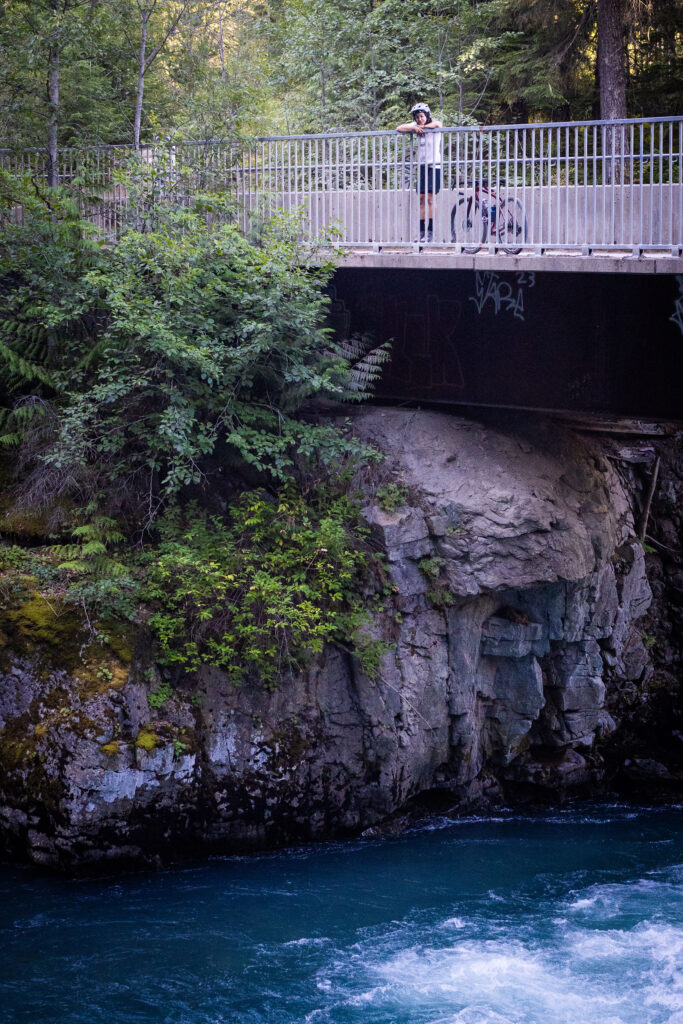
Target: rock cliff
515	593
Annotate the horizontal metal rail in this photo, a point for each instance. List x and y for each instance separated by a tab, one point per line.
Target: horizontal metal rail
582	187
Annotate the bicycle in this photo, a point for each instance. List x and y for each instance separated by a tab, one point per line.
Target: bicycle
483	213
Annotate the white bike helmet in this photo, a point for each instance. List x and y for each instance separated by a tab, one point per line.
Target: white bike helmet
421	108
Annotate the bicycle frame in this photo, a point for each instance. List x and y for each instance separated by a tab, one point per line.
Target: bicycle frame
500	215
481	190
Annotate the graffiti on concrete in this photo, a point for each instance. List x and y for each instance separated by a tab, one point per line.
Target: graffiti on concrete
504	296
677	316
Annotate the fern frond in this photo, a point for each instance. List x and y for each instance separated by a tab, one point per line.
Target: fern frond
365	364
93	354
93	547
22	368
66	551
16	421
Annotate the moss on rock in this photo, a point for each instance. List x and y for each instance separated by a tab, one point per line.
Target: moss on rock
119	636
147	739
30	624
33	621
98	672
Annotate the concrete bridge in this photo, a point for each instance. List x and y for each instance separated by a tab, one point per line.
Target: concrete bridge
533	193
589	343
579	196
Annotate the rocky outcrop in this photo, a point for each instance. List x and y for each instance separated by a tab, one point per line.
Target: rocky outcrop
515	591
646	752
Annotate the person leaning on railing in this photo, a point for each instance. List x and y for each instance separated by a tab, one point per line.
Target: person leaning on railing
429	162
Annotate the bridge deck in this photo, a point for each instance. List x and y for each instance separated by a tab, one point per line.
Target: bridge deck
553	222
435	258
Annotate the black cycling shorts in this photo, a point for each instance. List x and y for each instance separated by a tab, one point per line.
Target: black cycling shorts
428	180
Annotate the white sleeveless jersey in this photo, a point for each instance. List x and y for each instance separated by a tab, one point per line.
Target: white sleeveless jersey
430	147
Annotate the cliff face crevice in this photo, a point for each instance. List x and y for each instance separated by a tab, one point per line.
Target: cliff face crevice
518	592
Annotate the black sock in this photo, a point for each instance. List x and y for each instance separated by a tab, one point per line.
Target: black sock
430	224
422	227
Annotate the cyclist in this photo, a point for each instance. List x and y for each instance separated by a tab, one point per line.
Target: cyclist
429	162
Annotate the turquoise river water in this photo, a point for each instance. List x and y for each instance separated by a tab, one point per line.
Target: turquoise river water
574	917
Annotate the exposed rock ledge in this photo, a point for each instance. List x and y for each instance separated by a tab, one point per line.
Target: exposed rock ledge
518	588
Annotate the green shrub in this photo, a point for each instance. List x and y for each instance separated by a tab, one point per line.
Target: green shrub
149	386
163	693
440	597
165	362
369	651
262	590
432	567
390	497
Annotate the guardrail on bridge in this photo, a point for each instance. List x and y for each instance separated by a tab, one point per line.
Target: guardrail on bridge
576	186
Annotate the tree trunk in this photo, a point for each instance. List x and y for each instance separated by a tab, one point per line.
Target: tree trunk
441	41
220	40
142	57
53	122
323	101
612	76
611	59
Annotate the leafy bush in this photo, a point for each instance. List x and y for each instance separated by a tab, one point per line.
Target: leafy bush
262	590
391	497
432	567
135	372
157	698
155	388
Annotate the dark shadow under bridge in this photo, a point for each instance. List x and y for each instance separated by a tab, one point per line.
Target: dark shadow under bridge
591	343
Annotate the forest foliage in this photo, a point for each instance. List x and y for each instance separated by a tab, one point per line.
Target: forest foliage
105	71
153	416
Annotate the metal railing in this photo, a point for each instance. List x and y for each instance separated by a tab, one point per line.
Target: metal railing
578	186
117	186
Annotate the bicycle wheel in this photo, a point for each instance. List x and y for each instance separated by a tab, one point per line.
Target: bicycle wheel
512	228
467	224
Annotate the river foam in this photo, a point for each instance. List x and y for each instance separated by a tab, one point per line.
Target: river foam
604	954
572	918
608	977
